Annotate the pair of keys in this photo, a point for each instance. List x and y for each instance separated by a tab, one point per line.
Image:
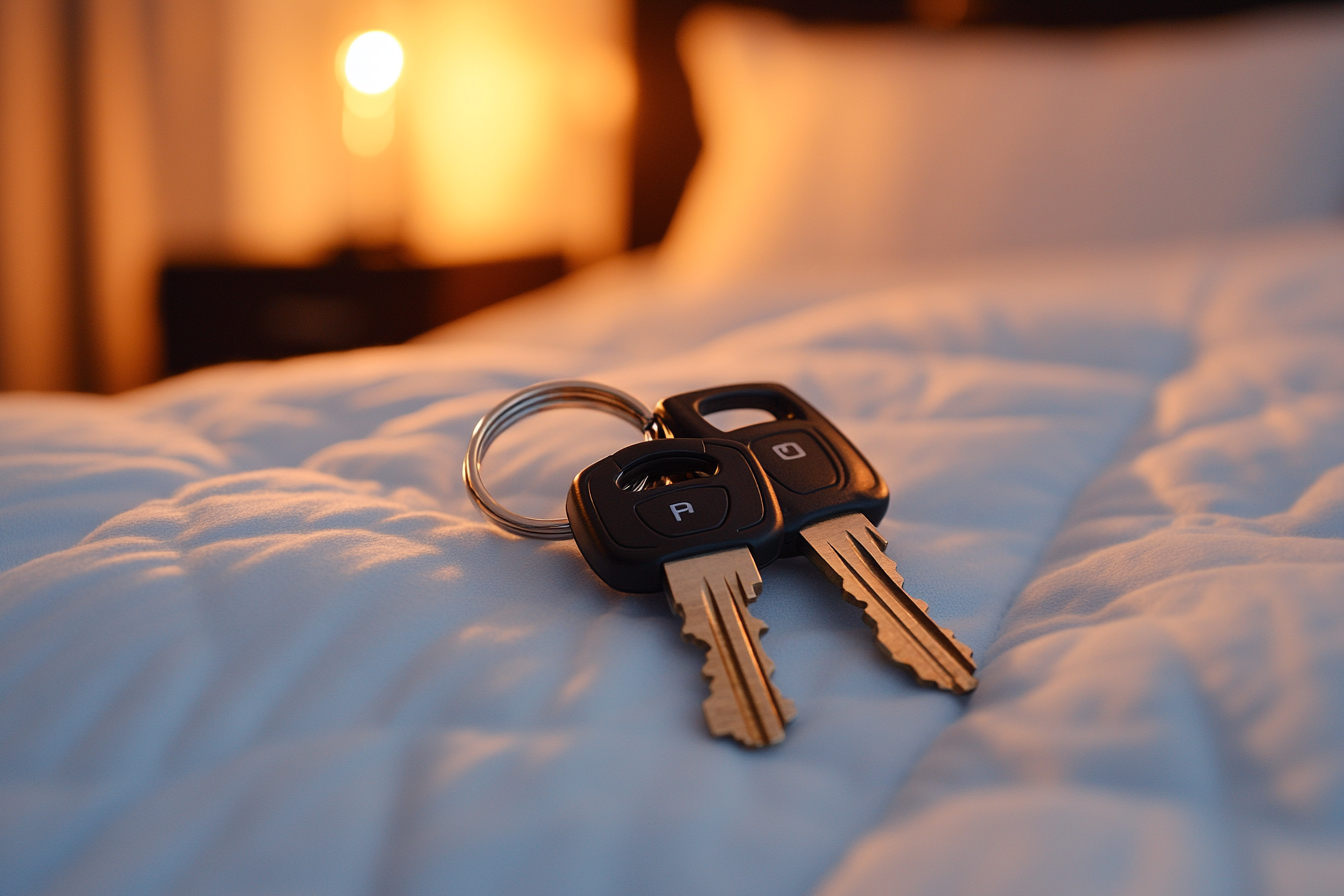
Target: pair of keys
696	512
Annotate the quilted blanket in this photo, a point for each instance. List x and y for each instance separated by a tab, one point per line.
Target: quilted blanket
254	638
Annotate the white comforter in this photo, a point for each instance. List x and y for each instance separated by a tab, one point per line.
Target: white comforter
255	639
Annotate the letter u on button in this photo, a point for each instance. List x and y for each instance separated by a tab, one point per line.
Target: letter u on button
789	450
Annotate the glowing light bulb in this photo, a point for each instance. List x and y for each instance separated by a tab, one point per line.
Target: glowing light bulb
373	62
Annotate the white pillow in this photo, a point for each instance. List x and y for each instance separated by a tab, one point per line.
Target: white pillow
840	146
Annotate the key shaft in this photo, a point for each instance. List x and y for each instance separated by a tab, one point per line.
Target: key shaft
852	554
710	593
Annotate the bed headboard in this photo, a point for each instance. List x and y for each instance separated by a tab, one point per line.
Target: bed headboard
666	142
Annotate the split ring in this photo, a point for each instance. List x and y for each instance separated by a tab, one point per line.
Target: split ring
525	403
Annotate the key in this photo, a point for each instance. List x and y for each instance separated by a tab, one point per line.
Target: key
831	498
693	518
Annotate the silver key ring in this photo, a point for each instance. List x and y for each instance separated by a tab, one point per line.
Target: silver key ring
525	403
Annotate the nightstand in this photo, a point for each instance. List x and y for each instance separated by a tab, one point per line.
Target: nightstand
213	313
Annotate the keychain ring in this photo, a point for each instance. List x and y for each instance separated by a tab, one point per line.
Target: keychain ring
525	403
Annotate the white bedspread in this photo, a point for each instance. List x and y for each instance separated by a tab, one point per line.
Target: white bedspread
255	639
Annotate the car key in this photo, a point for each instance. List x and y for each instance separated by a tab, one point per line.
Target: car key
693	517
831	498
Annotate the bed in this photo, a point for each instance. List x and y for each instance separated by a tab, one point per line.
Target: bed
255	638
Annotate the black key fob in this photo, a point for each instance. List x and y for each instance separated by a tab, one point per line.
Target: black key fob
816	472
669	499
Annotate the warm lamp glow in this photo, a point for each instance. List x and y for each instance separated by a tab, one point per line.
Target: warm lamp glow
373	62
486	129
516	126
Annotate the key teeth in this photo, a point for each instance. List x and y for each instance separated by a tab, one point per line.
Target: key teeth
960	684
743	702
787	712
721	689
751	590
956	683
895	639
956	686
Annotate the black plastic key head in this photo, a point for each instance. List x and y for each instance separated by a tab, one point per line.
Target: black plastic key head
669	499
817	473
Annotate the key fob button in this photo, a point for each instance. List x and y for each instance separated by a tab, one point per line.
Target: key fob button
715	496
685	511
815	471
796	461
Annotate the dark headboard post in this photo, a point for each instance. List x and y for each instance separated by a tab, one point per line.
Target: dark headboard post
666	141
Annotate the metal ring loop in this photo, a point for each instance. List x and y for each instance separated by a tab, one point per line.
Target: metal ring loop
525	403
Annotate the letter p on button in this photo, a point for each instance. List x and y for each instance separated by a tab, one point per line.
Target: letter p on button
686	511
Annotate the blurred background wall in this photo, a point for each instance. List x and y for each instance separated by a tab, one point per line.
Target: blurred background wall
133	132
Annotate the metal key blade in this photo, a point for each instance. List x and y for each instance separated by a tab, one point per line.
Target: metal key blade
852	554
711	592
